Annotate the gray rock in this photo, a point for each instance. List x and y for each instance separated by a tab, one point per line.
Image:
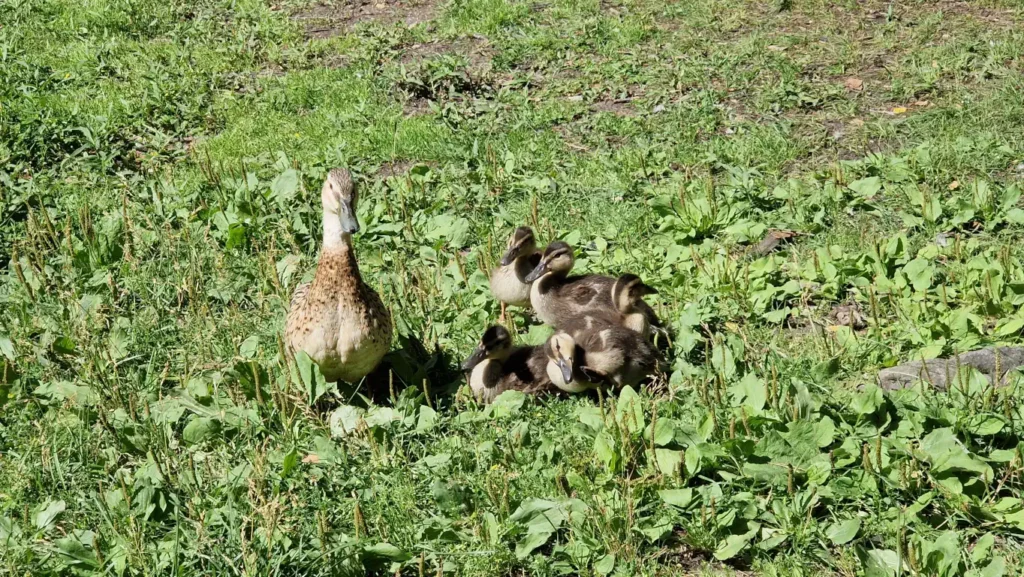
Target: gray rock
941	373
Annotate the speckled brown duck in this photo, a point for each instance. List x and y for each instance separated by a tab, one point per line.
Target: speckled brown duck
338	320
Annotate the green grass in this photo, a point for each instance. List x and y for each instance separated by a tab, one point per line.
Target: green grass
159	168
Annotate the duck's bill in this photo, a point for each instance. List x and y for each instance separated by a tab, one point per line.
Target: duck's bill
566	370
646	290
510	255
537	272
474	359
349	222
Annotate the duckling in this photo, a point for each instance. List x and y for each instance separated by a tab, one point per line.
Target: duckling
338	320
558	298
507	281
497	366
634	314
603	354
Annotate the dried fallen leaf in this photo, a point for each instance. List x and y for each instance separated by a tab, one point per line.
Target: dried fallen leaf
311	458
775	48
899	110
922	103
954	185
856	122
854	83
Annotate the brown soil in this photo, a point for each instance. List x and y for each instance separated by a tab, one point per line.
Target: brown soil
329	20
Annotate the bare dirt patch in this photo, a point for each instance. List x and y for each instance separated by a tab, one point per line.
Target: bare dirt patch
475	49
329	20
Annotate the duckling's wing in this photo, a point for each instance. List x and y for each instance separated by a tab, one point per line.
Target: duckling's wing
585	290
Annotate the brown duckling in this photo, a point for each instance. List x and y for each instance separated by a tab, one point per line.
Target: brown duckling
497	366
508	283
602	354
338	320
558	298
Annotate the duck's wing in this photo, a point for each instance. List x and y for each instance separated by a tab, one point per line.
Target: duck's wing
299	296
586	290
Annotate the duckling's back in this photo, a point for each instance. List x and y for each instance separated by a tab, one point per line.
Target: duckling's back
524	370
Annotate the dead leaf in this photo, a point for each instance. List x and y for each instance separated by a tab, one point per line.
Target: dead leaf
311	458
854	83
922	103
899	110
857	122
954	185
775	48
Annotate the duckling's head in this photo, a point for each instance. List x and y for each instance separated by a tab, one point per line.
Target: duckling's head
561	350
628	290
557	258
522	242
339	199
495	344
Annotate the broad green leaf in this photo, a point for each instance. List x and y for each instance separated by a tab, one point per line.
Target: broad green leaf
868	401
507	404
285	186
843	532
200	429
986	425
248	347
47	517
997	568
629	411
982	548
388	551
677	497
605	565
881	563
668	461
664	432
6	347
919	273
426	420
733	544
345	420
946	453
750	392
866	187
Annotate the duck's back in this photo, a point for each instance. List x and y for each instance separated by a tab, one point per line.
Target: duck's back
558	301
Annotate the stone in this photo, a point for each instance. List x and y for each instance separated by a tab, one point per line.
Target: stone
940	373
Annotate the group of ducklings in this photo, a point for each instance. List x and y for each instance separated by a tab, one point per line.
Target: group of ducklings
603	327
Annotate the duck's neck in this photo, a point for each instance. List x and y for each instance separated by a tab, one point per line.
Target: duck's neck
337	252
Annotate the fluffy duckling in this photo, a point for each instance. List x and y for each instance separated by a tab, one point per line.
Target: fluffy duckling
602	354
557	297
628	293
338	320
508	283
497	366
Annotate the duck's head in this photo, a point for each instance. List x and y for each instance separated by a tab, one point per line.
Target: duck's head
557	258
339	199
522	242
495	344
561	350
628	290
